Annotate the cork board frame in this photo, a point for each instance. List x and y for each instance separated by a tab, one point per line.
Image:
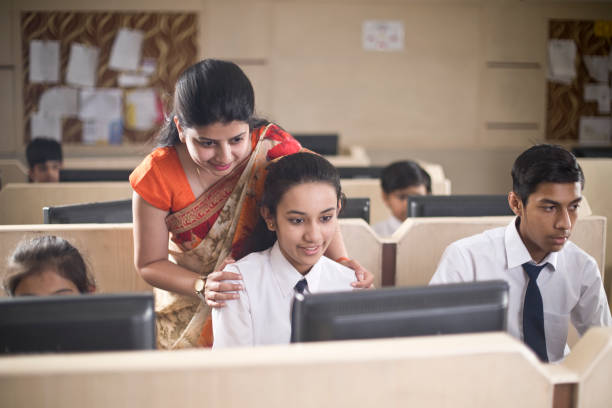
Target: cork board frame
169	38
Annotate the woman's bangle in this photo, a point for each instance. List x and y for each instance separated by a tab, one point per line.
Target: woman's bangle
342	259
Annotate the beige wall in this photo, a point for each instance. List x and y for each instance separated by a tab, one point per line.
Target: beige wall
433	101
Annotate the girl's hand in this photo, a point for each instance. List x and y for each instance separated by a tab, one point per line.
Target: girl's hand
365	279
217	289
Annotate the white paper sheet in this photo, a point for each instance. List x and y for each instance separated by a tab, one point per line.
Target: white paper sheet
82	65
594	130
597	65
599	93
102	131
43	125
129	80
141	111
44	61
383	35
100	103
61	102
125	54
561	58
148	66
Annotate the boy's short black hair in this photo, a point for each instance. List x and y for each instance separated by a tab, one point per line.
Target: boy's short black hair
40	150
544	163
402	174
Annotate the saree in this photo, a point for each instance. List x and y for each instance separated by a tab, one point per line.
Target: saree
217	224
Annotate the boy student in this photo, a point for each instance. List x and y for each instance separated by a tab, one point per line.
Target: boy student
44	160
400	180
551	280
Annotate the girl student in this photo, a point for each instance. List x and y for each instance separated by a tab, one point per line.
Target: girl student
200	186
47	265
300	206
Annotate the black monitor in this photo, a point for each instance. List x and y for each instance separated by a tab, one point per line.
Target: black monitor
458	205
103	212
326	144
360	172
356	208
397	312
592	151
95	174
31	324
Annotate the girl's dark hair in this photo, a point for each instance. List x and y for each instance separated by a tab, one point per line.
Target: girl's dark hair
403	174
284	174
544	163
208	92
37	254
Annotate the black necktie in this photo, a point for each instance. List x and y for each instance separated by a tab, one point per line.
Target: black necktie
533	313
301	286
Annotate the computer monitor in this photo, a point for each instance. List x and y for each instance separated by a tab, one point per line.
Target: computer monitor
397	312
95	174
102	322
103	212
326	144
372	172
458	205
356	207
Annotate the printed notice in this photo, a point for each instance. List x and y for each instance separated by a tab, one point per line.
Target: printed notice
562	61
594	130
61	101
383	35
44	125
599	93
44	61
597	65
141	109
125	53
82	65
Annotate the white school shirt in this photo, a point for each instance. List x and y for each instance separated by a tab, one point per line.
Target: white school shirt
570	284
387	227
262	315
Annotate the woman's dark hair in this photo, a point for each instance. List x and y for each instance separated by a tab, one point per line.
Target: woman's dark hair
403	174
284	174
544	163
208	92
37	254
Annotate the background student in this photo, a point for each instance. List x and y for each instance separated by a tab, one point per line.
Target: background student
47	265
399	180
552	281
44	160
300	206
201	186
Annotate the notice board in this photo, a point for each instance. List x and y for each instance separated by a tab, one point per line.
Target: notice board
168	43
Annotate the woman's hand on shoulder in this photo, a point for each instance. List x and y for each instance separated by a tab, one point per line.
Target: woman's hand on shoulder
218	289
365	279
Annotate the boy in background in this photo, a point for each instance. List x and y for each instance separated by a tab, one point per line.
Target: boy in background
44	160
551	280
399	180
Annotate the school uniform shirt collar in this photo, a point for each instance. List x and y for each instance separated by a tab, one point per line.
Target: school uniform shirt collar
286	276
516	251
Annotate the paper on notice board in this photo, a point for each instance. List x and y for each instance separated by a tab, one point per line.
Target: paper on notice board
82	65
383	35
43	125
594	130
597	65
599	93
60	101
102	131
100	103
561	58
129	80
125	53
44	61
141	109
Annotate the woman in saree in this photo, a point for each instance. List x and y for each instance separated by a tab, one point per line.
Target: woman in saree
195	199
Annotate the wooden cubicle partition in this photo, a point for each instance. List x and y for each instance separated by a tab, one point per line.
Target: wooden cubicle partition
108	250
12	171
23	203
476	371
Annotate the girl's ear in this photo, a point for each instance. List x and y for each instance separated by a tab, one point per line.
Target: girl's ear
268	218
179	128
339	206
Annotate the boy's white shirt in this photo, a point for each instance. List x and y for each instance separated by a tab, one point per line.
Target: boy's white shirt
262	314
387	227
